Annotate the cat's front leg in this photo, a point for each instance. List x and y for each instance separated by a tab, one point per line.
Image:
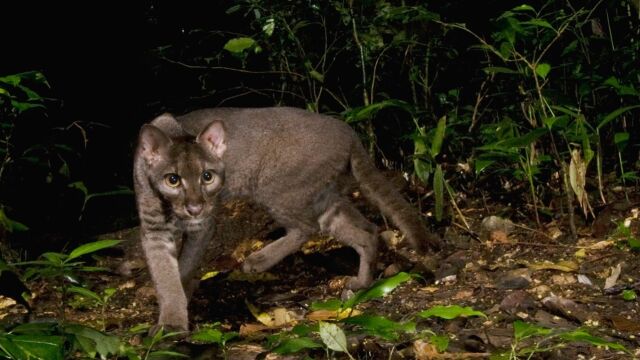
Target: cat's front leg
160	250
194	247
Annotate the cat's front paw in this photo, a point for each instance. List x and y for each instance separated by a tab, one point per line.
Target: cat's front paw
255	263
357	283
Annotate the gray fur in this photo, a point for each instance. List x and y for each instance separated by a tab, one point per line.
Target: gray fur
291	161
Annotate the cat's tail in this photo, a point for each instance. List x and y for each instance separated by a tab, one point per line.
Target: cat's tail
377	189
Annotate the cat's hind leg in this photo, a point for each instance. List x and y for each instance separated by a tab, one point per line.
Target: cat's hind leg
343	221
273	253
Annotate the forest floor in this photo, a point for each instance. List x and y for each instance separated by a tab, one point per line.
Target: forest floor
513	273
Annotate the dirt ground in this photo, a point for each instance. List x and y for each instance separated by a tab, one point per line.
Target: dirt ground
509	271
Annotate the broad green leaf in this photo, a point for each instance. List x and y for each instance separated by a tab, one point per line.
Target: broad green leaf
293	345
332	336
634	243
316	75
45	347
629	295
379	289
614	114
438	137
24	106
438	190
621	139
94	340
524	7
523	330
540	23
449	312
481	164
92	247
331	304
583	336
381	326
366	112
238	45
11	225
85	292
543	69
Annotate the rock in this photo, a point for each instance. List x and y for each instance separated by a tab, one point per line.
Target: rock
514	279
517	301
568	308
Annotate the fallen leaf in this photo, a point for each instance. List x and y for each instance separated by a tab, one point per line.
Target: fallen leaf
320	315
565	265
250	329
424	350
613	278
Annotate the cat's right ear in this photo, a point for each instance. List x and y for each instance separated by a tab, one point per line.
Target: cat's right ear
152	143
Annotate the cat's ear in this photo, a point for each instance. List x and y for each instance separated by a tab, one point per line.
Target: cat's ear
169	125
213	138
152	144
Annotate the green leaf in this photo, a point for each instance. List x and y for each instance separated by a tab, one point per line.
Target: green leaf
331	304
481	164
316	76
523	330
294	345
438	190
614	114
381	326
543	69
450	312
79	185
539	23
332	336
163	354
621	139
583	336
45	347
634	243
379	289
629	295
92	247
85	292
208	336
366	112
238	45
438	137
269	26
441	342
524	7
91	340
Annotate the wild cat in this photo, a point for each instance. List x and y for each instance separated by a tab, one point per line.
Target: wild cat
293	162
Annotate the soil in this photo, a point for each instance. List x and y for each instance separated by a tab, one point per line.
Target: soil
510	272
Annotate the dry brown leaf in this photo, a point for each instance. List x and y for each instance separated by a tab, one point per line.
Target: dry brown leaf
322	315
250	329
564	265
423	350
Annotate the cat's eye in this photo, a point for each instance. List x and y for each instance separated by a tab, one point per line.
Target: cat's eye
172	180
207	177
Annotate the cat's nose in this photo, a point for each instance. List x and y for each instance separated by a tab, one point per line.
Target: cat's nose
194	209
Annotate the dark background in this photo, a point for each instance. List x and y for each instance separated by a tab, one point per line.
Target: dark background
102	63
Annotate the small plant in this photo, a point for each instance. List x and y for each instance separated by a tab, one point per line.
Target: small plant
530	339
64	268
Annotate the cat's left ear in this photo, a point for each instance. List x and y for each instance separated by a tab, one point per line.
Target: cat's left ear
213	138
